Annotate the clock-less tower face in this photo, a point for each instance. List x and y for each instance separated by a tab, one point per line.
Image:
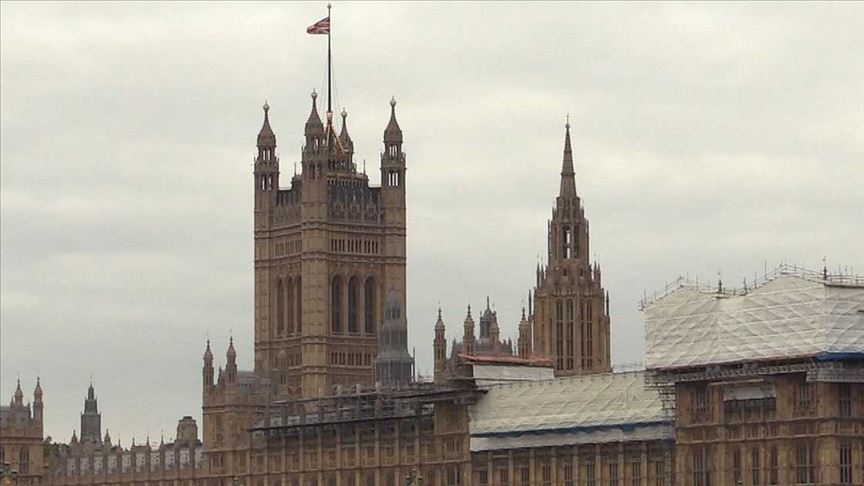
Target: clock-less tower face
329	248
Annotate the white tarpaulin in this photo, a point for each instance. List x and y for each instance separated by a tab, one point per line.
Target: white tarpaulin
602	407
487	375
790	316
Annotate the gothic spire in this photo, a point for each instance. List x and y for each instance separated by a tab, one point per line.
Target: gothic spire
313	124
19	395
266	137
344	137
568	175
392	134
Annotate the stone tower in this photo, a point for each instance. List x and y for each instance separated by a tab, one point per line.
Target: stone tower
328	249
571	314
393	366
440	348
91	419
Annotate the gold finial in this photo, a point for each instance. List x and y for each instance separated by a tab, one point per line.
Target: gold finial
567	123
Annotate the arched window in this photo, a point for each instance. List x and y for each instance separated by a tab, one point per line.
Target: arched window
336	304
289	301
369	305
280	308
298	286
353	300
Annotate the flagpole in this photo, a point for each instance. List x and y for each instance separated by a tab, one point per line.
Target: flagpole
329	63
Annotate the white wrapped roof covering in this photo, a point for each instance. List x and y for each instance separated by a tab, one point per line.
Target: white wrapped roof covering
790	316
603	407
487	375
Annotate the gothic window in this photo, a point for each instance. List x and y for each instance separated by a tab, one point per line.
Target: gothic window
336	304
280	308
353	298
298	285
576	251
844	399
736	466
369	306
559	335
566	242
571	325
755	465
24	461
805	465
289	311
804	398
845	462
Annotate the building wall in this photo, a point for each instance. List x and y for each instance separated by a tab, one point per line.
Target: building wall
794	437
21	437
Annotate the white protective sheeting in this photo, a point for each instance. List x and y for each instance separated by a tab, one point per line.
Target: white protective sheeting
488	375
790	316
603	407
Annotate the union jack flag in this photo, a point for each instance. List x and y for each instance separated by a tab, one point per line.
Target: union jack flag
320	27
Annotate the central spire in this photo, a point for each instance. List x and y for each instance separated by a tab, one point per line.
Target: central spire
568	175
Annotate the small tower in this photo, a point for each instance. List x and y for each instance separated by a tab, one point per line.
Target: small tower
19	395
393	366
524	342
468	340
37	402
91	419
393	163
208	369
266	165
440	349
345	141
231	363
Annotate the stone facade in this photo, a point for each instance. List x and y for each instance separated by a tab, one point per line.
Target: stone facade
21	436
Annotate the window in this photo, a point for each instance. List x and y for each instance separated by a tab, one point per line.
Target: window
805	467
353	297
566	242
568	472
336	304
613	474
546	472
804	399
280	308
570	330
524	476
299	287
503	477
845	462
635	473
773	466
369	306
844	400
701	467
24	461
736	466
289	300
559	335
701	404
483	477
755	464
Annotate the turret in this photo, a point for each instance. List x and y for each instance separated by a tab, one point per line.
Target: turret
231	363
107	440
37	402
468	339
91	419
208	368
439	347
524	341
393	163
345	141
266	165
19	395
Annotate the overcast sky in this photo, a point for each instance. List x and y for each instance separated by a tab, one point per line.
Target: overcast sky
707	138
